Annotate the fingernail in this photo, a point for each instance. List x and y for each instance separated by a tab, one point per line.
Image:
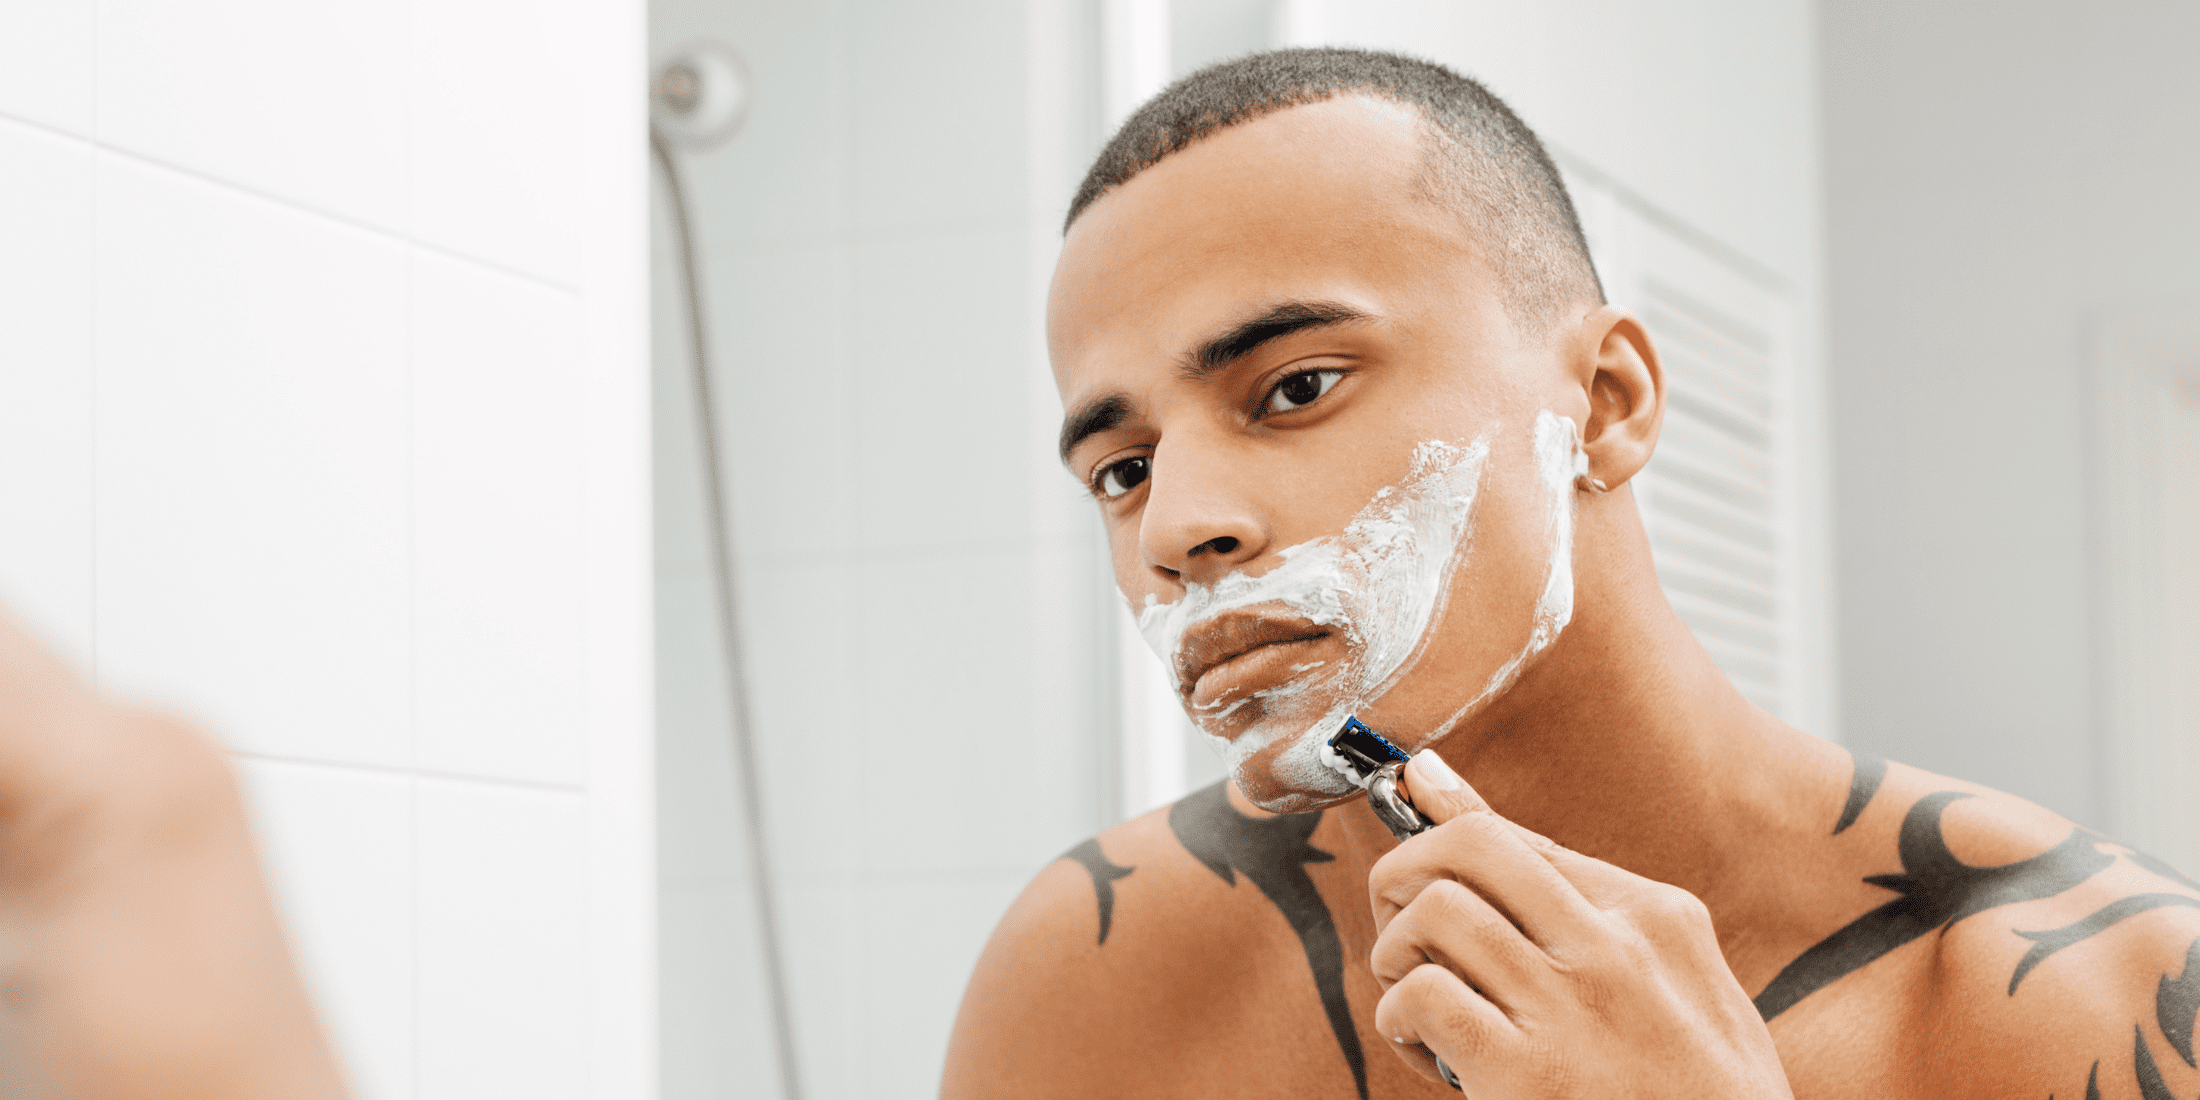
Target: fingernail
1439	774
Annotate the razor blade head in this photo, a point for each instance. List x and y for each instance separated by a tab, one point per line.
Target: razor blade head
1365	749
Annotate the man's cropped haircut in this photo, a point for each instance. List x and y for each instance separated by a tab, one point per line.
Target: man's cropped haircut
1483	158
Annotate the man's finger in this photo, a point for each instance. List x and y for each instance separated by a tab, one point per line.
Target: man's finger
1472	845
1437	791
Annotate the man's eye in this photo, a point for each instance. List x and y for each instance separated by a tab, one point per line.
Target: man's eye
1124	476
1300	390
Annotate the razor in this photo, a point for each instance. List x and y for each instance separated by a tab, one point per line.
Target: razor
1372	761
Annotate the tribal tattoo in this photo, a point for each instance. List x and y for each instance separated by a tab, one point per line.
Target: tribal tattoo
1103	875
1936	890
1273	852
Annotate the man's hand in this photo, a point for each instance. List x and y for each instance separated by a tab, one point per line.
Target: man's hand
1538	972
145	959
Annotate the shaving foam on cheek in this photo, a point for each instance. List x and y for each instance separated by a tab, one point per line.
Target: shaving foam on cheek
1380	585
1559	459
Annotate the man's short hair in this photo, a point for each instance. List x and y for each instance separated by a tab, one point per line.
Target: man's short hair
1483	158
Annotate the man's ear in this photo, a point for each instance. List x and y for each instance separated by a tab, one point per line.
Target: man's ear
1626	396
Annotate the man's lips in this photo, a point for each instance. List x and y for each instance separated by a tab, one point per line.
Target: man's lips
1240	652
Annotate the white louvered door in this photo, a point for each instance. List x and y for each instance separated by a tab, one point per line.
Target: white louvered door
1719	496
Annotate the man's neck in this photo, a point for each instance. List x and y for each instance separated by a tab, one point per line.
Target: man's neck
1626	742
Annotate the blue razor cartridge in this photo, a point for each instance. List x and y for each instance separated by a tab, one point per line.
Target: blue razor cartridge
1378	762
1365	749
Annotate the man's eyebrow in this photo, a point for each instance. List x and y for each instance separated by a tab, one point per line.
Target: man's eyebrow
1092	418
1274	323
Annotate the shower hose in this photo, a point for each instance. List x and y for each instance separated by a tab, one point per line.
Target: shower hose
739	712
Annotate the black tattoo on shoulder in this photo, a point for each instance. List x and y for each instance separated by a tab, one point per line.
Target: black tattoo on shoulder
2174	1007
2055	939
1870	770
1273	852
1937	890
2177	1002
1103	874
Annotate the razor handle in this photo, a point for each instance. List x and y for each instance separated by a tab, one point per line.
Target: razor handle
1388	800
1403	821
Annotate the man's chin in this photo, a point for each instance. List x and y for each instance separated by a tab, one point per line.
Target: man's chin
1286	782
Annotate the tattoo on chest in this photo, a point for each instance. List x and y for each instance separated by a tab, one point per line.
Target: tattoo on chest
1103	875
1935	890
1274	853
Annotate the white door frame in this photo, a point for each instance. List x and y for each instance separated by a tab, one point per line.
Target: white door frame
2140	363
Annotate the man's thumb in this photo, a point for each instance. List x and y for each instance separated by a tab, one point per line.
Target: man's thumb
1437	791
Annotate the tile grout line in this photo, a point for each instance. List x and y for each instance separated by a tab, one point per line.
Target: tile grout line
395	771
91	389
412	669
295	206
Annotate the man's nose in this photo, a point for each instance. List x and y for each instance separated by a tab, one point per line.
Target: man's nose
1196	529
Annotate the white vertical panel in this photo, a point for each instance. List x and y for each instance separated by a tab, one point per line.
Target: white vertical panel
497	556
1718	498
2178	839
251	486
338	846
46	387
610	247
1134	55
2146	447
503	944
1155	733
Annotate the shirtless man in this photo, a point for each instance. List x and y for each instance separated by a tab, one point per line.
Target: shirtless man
1340	377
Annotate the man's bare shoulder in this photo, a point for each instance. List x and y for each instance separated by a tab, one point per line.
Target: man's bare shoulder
2016	953
1102	968
2088	991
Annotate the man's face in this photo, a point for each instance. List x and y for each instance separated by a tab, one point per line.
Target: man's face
1312	431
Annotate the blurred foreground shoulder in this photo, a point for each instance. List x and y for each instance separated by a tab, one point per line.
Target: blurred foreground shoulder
1090	976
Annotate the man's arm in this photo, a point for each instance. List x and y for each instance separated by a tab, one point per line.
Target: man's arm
145	957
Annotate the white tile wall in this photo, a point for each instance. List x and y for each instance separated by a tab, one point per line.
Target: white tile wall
936	142
251	469
783	327
340	845
46	69
450	121
941	350
46	388
322	421
304	101
503	943
495	173
496	510
920	933
712	928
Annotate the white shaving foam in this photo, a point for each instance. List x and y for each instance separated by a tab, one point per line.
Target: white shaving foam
1382	584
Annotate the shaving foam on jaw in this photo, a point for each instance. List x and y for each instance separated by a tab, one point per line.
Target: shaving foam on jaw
1381	584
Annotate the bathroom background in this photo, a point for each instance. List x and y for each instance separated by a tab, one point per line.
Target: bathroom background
344	407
